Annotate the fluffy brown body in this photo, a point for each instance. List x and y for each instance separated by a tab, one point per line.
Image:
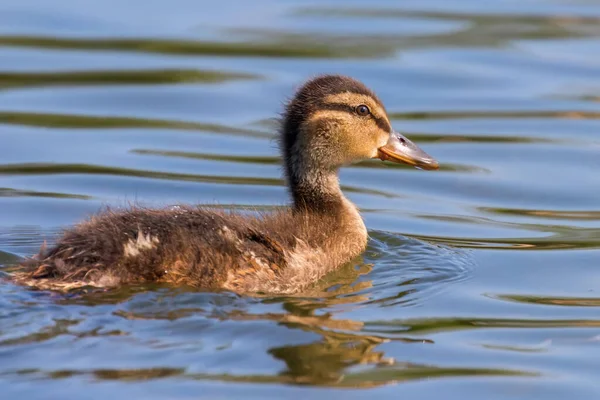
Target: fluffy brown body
276	253
324	127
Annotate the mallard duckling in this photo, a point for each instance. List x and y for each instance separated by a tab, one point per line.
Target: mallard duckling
332	121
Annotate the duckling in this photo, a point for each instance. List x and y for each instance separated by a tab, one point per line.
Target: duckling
331	121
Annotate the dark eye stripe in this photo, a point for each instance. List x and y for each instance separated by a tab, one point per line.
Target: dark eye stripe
380	121
383	124
337	107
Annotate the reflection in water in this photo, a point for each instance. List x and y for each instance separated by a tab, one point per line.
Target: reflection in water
60	327
7	259
330	361
552	301
589	215
394	374
9	192
431	325
489	30
264	160
480	29
64	121
562	238
280	46
516	114
82	78
52	169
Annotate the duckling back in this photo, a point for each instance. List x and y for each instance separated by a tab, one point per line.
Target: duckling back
276	253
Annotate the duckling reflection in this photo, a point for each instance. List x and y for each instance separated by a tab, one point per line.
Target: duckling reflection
332	121
325	362
342	344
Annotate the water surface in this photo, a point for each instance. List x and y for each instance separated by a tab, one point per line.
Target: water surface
480	280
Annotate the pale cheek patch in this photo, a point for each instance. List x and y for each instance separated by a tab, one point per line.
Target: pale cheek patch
375	153
383	140
369	147
143	242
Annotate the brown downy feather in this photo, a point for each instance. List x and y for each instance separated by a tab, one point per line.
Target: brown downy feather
194	246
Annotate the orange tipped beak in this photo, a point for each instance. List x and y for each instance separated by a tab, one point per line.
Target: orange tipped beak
400	149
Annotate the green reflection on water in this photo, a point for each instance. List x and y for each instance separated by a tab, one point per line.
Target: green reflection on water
51	169
519	114
9	192
70	121
264	160
588	215
437	325
7	259
560	236
570	238
552	300
405	372
10	80
277	46
479	29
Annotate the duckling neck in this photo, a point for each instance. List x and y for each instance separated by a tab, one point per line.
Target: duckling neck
318	193
317	190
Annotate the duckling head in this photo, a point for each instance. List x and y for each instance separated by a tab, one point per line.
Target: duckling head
334	121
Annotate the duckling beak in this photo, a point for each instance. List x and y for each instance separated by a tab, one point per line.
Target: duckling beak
400	149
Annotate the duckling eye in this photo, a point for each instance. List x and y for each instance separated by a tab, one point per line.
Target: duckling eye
362	110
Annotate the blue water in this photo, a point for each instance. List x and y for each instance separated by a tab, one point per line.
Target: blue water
481	280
